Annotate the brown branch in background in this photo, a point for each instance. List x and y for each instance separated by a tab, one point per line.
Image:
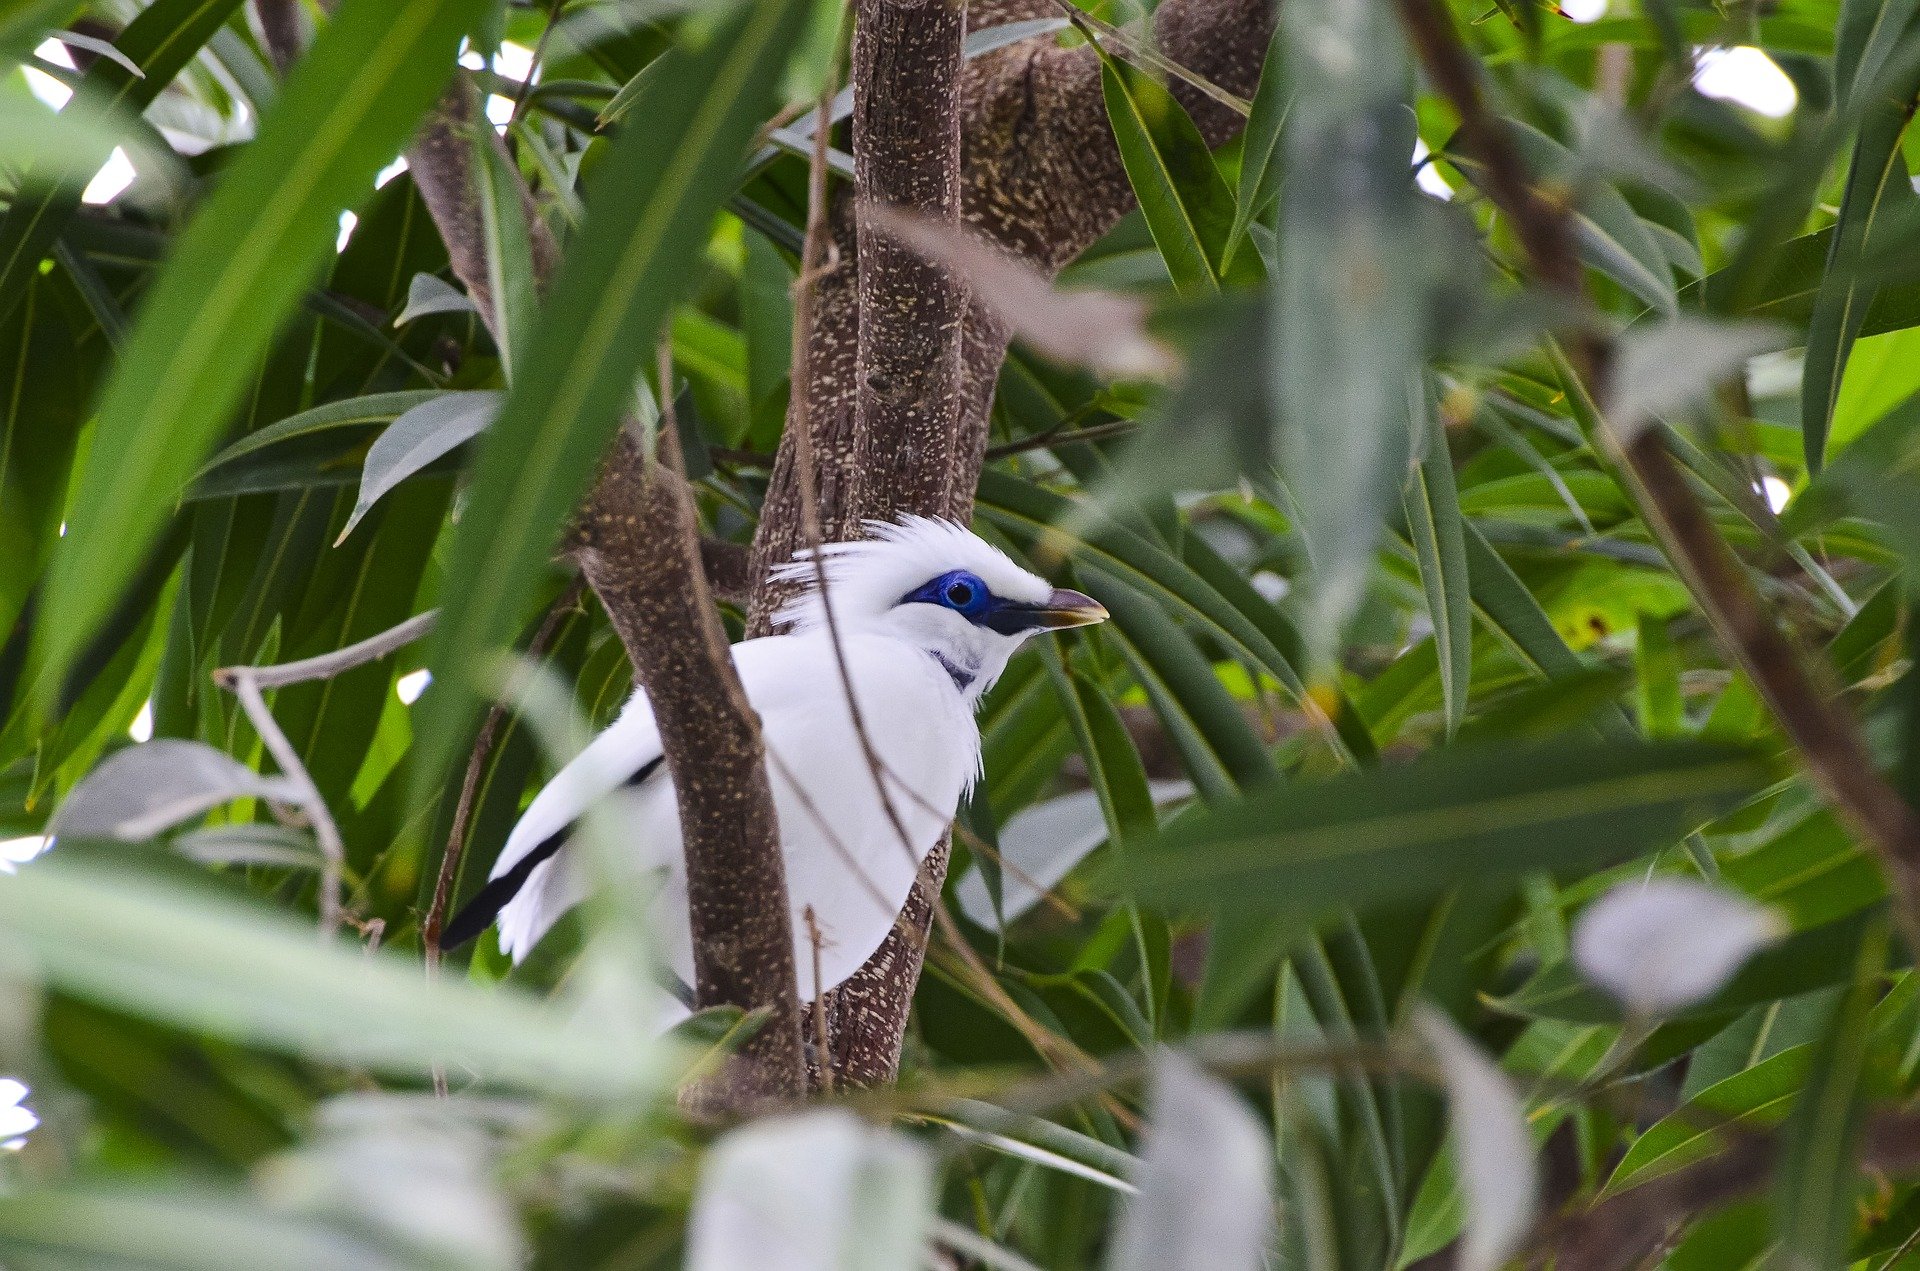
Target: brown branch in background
282	31
1805	705
638	544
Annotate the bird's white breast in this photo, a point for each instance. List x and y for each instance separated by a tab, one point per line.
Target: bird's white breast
846	859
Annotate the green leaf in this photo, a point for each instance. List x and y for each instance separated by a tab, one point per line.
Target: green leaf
160	41
650	202
163	952
435	427
1658	663
1876	182
1817	1178
238	269
1186	201
1758	1097
1356	265
1403	833
509	249
1433	515
175	1230
1260	145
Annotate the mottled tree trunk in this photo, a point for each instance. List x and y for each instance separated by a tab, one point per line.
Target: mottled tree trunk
1038	173
638	544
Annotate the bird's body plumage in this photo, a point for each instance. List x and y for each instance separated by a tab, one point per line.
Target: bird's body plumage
918	660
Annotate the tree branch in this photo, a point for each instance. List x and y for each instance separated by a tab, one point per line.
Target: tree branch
1038	175
639	547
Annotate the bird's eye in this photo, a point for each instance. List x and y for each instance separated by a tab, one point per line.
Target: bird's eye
959	594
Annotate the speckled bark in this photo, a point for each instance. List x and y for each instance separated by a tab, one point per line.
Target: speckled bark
638	544
906	151
640	551
1039	174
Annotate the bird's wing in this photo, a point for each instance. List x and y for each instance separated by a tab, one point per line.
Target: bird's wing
528	890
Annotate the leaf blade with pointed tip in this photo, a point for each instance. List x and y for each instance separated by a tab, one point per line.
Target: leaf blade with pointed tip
238	269
649	205
1403	833
415	439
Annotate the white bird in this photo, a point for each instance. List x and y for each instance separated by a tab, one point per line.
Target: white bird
927	615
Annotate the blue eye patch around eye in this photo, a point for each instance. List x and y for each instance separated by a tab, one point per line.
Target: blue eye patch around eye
957	590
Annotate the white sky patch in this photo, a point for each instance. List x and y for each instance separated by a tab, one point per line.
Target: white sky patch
1584	10
348	223
46	87
1426	175
142	727
117	174
1776	492
514	61
410	686
17	852
1746	77
389	172
111	181
16	1119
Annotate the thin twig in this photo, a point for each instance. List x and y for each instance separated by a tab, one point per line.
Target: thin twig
328	665
1055	437
823	1061
245	686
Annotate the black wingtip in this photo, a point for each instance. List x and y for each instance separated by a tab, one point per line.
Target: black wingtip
480	912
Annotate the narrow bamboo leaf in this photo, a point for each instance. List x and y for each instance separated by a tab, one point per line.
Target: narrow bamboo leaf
1351	330
1187	203
427	294
1658	665
1876	183
1756	1098
1817	1177
1205	1179
160	41
1219	748
1126	802
1034	510
509	250
163	952
239	268
1433	514
1400	834
1259	173
176	1229
426	432
354	413
649	204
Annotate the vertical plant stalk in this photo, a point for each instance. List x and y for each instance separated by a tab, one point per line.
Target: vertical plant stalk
1803	702
638	544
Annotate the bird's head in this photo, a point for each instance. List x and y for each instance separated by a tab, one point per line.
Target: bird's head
937	584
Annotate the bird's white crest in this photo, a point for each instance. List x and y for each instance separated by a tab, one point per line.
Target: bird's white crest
869	576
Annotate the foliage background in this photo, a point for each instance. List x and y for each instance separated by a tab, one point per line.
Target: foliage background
1399	680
